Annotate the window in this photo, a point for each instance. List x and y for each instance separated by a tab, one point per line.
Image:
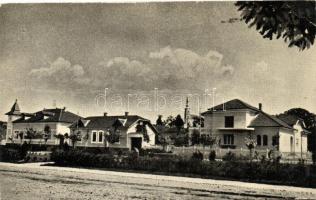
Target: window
265	140
259	140
228	139
229	121
275	140
97	137
94	136
100	136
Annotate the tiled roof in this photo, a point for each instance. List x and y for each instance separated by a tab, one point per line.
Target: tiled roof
262	119
231	105
49	115
266	120
107	121
289	119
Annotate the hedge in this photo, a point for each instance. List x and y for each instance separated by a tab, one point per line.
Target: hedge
271	172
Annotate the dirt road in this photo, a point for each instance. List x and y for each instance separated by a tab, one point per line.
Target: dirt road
31	181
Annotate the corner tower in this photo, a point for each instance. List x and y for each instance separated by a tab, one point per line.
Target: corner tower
13	114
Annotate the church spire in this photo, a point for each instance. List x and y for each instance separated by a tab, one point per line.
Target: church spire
187	113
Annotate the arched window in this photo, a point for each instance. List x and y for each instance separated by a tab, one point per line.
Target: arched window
265	140
259	140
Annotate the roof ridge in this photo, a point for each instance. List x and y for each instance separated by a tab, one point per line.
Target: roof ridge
274	119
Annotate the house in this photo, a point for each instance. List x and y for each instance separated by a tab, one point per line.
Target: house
126	132
235	120
44	124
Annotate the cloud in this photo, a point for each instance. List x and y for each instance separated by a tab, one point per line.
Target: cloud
60	72
188	66
167	68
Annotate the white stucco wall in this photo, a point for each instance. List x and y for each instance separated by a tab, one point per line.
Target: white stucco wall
125	138
285	140
56	128
242	119
269	132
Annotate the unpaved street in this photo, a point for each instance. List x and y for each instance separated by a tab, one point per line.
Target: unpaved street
31	181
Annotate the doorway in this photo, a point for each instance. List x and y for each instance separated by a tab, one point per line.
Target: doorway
136	142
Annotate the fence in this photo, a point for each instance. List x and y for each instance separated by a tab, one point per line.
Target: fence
287	157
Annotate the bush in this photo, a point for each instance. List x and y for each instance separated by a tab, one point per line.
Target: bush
230	156
291	174
10	155
198	156
181	140
212	155
314	157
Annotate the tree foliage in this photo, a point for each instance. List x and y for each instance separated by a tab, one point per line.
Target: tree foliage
141	128
179	123
294	21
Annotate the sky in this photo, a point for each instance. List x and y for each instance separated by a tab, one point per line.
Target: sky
145	58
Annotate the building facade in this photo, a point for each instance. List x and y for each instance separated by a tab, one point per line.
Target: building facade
127	132
233	121
44	125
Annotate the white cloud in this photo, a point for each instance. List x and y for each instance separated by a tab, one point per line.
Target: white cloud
61	71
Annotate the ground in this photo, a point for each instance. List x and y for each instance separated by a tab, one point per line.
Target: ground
32	181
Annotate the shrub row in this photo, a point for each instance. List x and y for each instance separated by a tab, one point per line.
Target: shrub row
10	154
298	174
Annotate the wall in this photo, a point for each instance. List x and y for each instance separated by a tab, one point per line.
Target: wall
269	132
242	119
56	128
300	140
285	140
88	143
125	141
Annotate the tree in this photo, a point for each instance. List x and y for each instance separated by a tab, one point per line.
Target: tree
159	121
250	143
169	122
294	21
47	133
207	140
195	137
164	141
179	123
31	134
75	136
61	138
141	128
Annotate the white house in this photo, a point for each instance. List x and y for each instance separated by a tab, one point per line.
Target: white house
57	120
130	129
235	120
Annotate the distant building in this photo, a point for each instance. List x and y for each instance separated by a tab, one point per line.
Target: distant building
3	131
56	120
131	131
234	120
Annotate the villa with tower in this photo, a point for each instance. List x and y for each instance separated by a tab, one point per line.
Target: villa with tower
48	122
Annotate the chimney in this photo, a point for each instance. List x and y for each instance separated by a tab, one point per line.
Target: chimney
260	106
105	114
126	114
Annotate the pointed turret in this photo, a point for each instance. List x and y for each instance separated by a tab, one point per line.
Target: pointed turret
13	114
15	109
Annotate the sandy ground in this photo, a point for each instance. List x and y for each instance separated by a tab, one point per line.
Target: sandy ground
32	181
